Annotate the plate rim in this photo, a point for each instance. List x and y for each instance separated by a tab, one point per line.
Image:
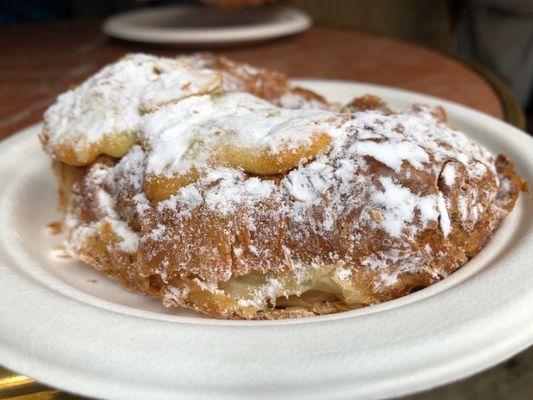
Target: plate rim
492	355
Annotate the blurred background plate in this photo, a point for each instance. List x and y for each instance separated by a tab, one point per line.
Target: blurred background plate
196	25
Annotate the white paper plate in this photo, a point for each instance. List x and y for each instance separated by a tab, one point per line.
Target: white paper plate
190	25
101	340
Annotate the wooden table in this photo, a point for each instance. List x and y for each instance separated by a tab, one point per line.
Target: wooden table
39	61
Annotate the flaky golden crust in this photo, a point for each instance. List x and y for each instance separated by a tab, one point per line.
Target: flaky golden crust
268	85
397	202
142	271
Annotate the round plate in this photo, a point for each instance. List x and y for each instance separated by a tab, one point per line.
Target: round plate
190	25
68	326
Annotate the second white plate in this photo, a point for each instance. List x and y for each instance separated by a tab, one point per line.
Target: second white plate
207	26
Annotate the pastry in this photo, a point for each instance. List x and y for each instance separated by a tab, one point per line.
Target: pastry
195	180
268	85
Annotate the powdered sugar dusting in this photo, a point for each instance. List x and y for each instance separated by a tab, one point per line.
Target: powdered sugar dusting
184	135
377	183
398	204
394	142
341	180
127	239
449	174
444	218
233	190
112	101
393	153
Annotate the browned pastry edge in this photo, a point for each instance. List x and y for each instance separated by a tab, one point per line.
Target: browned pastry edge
124	267
128	269
269	85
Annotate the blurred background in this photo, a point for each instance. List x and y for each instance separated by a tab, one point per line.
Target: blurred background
493	34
